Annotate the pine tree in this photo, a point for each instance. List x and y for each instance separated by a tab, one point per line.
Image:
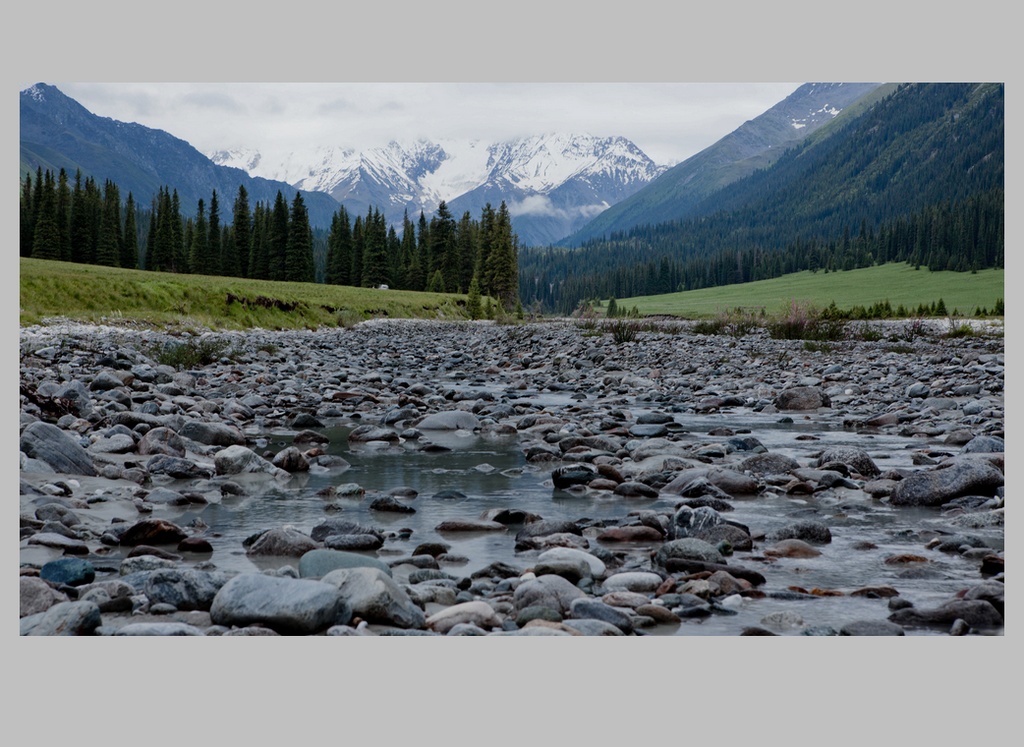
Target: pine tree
436	284
443	250
299	251
259	259
473	302
63	215
375	251
422	254
46	236
213	263
277	246
27	223
358	244
501	271
237	261
130	245
339	249
108	247
178	249
199	250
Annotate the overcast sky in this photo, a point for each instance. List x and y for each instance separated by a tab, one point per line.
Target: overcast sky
668	121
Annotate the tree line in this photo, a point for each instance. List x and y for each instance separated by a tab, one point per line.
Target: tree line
78	221
963	236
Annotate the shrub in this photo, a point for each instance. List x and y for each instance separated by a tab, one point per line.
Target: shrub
191	353
624	331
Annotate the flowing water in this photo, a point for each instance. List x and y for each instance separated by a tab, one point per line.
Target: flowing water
491	472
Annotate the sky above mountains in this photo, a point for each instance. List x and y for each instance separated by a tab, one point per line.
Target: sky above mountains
668	121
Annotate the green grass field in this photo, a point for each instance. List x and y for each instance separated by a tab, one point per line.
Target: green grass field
91	293
897	283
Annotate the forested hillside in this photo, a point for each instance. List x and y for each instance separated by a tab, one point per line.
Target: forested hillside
75	220
918	178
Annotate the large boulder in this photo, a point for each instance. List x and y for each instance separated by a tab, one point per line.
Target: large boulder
964	476
374	596
287	605
55	447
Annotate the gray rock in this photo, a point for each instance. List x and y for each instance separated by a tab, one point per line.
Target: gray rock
68	572
320	562
859	459
872	628
374	596
177	467
966	476
290	459
286	605
586	608
237	459
689	548
802	398
768	464
978	613
807	530
158	629
212	434
547	591
161	440
185	589
63	618
477	613
57	448
37	596
449	421
282	542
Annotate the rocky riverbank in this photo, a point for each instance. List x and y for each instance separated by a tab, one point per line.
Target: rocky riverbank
115	442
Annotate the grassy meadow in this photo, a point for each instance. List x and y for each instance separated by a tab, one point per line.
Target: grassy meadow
897	283
90	293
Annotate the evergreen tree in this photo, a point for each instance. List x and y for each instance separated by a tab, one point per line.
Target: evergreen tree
259	256
473	302
299	252
27	223
213	263
436	284
130	244
339	249
199	251
409	257
443	249
375	251
423	259
63	215
277	244
358	244
466	250
178	249
46	236
236	258
502	268
108	247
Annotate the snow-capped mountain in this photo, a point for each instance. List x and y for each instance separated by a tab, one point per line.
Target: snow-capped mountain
552	183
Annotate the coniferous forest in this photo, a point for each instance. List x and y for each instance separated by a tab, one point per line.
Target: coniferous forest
918	178
76	220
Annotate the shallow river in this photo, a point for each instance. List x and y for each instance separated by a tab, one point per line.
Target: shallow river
492	472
